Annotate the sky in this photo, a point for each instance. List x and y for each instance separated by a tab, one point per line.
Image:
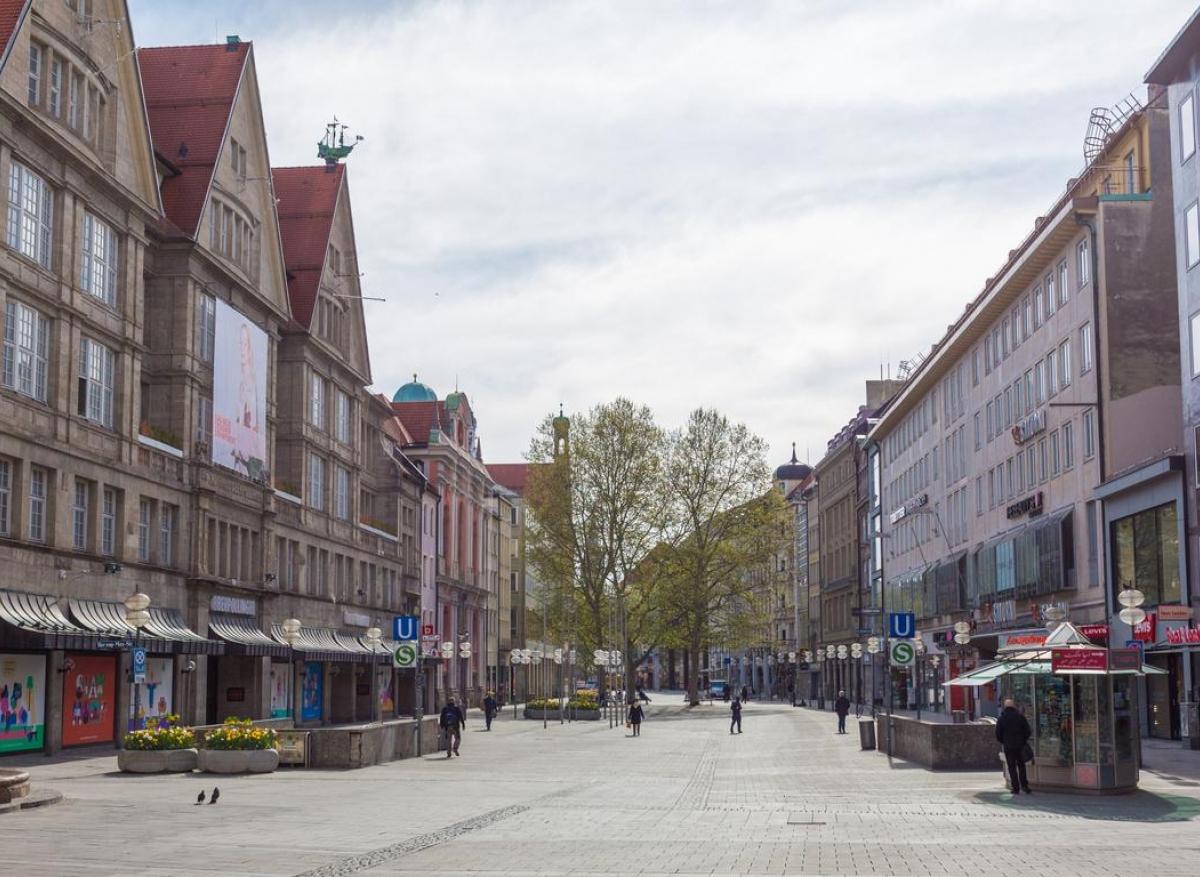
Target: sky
752	206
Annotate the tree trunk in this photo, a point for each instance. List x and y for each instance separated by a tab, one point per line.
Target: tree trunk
693	676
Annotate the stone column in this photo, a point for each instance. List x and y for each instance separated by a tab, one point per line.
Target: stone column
55	679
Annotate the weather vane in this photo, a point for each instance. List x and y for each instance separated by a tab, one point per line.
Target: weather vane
333	147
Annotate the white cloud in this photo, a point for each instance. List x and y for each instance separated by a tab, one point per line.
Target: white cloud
747	205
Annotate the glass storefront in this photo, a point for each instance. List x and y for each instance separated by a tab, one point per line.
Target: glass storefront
1145	550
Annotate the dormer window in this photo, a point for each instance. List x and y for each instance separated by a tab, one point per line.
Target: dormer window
64	93
232	236
237	158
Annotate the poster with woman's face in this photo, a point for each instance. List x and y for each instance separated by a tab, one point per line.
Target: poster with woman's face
239	393
153	695
22	702
89	699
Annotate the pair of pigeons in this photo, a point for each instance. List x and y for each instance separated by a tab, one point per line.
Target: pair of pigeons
215	795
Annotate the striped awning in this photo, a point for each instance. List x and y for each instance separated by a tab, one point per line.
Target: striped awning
40	622
323	644
166	630
243	634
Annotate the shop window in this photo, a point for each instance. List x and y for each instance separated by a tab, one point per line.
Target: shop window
1146	554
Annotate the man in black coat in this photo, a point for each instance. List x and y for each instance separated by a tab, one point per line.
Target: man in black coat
841	706
490	707
452	720
735	718
1013	733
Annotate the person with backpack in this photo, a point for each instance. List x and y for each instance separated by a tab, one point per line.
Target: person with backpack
452	720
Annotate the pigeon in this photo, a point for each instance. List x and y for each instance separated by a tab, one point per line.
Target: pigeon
200	797
216	794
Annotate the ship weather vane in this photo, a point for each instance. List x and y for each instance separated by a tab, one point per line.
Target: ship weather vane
333	147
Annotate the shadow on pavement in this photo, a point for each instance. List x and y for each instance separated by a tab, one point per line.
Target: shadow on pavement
1138	807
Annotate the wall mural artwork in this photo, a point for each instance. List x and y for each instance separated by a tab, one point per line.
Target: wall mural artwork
22	702
89	692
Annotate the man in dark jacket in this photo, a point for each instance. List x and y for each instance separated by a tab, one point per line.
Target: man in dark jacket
735	719
841	706
1013	733
452	721
489	710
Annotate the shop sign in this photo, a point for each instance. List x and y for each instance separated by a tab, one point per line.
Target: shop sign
1078	659
1004	612
909	507
355	619
1022	640
232	605
1174	613
1178	636
1097	633
1030	505
1124	659
1146	630
1028	427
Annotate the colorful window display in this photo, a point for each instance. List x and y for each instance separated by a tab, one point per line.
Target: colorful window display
313	691
387	693
22	702
154	696
89	699
1054	733
281	690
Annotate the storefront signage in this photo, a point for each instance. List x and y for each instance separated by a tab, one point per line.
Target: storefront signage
1004	612
909	507
1178	636
1124	659
1076	660
232	605
1146	630
114	645
1028	427
355	619
1022	640
1030	505
1174	613
1097	633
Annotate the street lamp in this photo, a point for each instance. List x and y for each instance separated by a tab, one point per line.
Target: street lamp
291	632
919	648
873	650
137	616
962	637
373	637
1132	599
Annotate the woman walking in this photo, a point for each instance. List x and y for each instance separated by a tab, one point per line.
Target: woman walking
636	714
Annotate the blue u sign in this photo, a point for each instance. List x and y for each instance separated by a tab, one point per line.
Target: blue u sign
405	628
902	625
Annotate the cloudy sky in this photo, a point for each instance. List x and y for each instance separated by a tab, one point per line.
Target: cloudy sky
747	205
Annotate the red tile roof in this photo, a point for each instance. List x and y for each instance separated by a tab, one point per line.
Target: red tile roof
189	96
514	476
307	198
420	417
11	13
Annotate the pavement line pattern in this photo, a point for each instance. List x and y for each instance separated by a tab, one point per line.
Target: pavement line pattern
374	858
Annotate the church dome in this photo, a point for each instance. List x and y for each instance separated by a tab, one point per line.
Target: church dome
415	391
793	470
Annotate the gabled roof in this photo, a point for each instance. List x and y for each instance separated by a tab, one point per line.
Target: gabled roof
11	14
190	91
514	476
419	418
307	198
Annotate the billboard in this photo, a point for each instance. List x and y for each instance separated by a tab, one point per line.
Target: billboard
239	408
88	699
22	702
153	695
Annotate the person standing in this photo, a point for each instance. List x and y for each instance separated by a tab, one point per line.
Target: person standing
490	708
636	714
792	692
745	694
736	718
1013	733
841	706
452	721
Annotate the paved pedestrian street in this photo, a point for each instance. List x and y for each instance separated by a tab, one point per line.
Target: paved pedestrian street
788	796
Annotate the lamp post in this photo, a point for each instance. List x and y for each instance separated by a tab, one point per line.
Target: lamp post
934	661
919	648
820	659
1132	599
558	660
962	637
856	654
873	650
291	632
373	637
137	615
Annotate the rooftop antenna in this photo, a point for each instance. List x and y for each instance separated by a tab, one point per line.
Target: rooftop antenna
332	147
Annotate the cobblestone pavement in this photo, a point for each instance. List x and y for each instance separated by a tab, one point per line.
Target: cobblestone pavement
786	797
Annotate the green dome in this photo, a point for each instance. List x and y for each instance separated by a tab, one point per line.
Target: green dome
415	391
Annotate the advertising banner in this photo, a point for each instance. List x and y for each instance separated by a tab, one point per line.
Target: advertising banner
1079	660
89	700
1097	633
239	425
153	695
313	693
281	687
22	702
1146	630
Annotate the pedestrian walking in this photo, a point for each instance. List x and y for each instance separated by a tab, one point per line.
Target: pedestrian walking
636	714
841	706
736	719
1013	733
745	694
452	720
490	708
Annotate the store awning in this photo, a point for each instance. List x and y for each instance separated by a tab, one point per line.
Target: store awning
323	644
165	632
40	622
991	672
244	636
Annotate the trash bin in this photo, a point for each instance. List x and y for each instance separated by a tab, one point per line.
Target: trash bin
958	717
866	733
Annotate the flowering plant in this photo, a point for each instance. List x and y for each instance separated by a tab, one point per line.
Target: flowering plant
168	736
240	734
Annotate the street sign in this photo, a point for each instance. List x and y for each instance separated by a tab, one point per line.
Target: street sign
427	631
902	653
139	666
404	628
902	625
405	656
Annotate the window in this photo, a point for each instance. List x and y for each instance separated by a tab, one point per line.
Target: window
30	204
204	420
1054	458
74	89
987	354
1026	316
342	417
316	482
36	54
1130	169
166	544
1063	287
979	495
95	382
99	259
1042	459
991	420
978	431
1089	434
108	521
1064	363
1051	373
1039	382
975	367
341	493
1083	267
79	515
1146	554
145	520
1039	306
1004	333
26	336
5	498
1191	236
1029	394
39	478
316	400
54	105
1051	296
1085	348
1187	128
1068	445
206	326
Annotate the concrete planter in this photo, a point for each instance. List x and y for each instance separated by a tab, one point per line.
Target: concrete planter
541	714
238	760
156	760
583	715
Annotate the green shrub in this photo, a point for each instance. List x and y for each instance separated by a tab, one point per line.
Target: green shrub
240	734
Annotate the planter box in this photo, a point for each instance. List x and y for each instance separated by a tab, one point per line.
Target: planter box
238	760
541	714
156	760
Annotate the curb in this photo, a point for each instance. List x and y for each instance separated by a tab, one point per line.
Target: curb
42	798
